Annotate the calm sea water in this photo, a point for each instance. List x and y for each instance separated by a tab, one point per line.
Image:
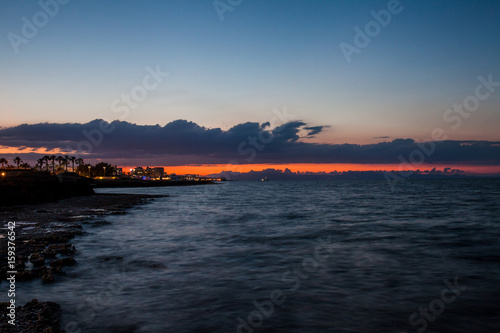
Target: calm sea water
347	256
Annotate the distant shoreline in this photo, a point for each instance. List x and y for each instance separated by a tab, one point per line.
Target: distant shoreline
273	175
118	183
19	187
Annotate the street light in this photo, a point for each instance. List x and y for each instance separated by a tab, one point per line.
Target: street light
89	170
104	171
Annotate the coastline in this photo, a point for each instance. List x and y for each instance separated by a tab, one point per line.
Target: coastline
117	183
43	233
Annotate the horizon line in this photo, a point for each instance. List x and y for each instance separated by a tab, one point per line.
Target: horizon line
208	169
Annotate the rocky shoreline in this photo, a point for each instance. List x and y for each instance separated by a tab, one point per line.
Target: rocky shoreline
43	248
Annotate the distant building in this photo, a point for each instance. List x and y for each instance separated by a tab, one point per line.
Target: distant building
158	173
138	172
148	173
191	177
173	177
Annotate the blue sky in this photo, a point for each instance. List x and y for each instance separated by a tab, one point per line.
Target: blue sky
263	55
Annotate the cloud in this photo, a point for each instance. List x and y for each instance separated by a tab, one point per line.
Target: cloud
288	132
184	142
314	130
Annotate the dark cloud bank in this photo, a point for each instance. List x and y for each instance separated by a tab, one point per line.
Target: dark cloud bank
183	142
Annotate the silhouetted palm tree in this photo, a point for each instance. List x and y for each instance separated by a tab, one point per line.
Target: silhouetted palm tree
72	159
25	166
17	160
79	161
60	160
53	159
47	159
66	161
3	161
40	163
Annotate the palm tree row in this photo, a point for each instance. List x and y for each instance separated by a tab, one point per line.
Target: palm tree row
48	163
20	164
61	160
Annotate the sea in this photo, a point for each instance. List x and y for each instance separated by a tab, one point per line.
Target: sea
289	256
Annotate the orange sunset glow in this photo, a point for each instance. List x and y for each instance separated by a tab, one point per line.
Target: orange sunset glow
208	169
25	150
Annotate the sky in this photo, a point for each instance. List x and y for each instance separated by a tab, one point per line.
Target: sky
326	72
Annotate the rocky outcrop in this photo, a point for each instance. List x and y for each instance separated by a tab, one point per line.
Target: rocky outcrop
28	187
34	317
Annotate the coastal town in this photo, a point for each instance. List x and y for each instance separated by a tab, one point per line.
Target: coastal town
100	171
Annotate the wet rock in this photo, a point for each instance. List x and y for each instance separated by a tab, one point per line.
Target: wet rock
118	212
99	223
37	259
56	270
53	249
38	272
55	238
34	317
20	265
47	272
63	262
38	246
49	253
25	275
48	278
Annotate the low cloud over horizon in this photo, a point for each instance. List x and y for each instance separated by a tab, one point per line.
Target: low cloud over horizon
182	142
